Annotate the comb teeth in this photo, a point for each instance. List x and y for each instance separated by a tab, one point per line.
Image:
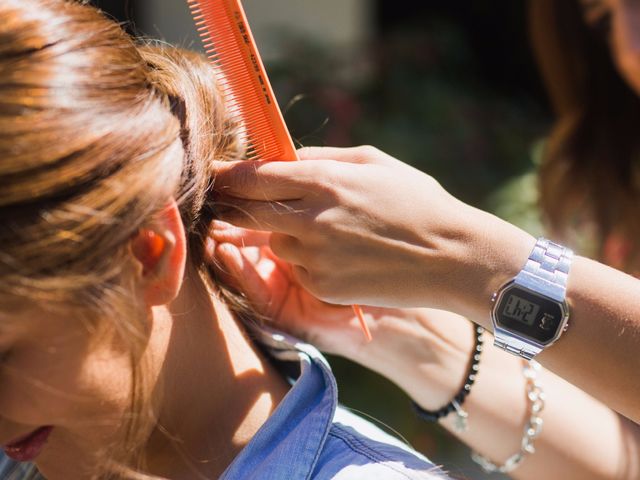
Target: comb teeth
229	45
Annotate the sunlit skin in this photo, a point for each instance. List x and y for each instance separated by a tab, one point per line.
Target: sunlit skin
54	376
425	352
209	387
619	22
348	222
270	285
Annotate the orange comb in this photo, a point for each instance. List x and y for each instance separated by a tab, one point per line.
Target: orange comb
228	42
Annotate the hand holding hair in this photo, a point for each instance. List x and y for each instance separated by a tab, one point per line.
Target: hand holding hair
359	226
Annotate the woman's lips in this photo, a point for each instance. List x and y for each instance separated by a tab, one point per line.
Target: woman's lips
27	448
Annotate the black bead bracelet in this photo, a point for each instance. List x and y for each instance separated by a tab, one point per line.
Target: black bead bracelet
456	402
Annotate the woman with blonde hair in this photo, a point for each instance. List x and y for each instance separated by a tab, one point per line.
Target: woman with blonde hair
122	355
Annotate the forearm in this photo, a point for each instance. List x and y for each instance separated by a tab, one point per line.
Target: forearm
599	351
581	438
341	218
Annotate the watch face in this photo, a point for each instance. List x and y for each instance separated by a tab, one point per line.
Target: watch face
529	314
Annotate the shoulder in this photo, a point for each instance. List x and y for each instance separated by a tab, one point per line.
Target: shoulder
356	449
10	470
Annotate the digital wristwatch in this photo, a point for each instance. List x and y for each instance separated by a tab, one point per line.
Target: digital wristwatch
530	312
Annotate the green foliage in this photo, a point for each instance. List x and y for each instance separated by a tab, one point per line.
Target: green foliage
416	95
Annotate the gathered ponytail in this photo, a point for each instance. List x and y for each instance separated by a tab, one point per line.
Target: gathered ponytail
209	133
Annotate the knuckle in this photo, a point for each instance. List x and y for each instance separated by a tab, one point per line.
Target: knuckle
325	193
329	222
313	263
332	187
307	152
367	151
320	288
324	284
240	177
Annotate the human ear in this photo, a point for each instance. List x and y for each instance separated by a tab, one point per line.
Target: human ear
159	248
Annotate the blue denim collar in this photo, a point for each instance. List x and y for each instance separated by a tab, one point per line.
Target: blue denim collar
300	423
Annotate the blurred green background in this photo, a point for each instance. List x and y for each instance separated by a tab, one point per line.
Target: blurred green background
446	85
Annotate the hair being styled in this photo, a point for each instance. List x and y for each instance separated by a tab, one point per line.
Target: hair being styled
97	132
590	174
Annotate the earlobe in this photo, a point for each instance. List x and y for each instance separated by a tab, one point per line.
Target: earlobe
160	250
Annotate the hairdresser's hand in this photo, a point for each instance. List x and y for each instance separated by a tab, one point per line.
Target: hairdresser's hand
359	226
245	260
424	351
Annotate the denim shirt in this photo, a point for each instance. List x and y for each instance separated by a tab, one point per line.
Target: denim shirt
309	436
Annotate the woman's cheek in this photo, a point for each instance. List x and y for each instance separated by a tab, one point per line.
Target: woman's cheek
25	388
40	387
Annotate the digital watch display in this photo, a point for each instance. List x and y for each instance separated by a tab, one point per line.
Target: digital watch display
530	312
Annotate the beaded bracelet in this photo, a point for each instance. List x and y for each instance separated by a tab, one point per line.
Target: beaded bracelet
459	398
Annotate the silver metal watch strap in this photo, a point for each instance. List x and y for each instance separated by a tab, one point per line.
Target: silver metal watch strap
546	272
516	345
551	262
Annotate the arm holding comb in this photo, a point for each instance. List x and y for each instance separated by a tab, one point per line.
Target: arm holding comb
362	227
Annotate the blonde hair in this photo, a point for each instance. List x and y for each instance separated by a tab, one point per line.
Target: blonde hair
97	132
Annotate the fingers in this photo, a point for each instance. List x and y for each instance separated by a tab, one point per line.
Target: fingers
279	263
281	217
362	154
244	275
223	232
282	181
254	246
259	180
251	267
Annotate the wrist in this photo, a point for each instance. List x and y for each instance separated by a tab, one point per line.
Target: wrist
425	352
496	251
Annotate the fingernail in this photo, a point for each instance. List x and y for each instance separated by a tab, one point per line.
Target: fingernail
233	254
210	247
220	225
